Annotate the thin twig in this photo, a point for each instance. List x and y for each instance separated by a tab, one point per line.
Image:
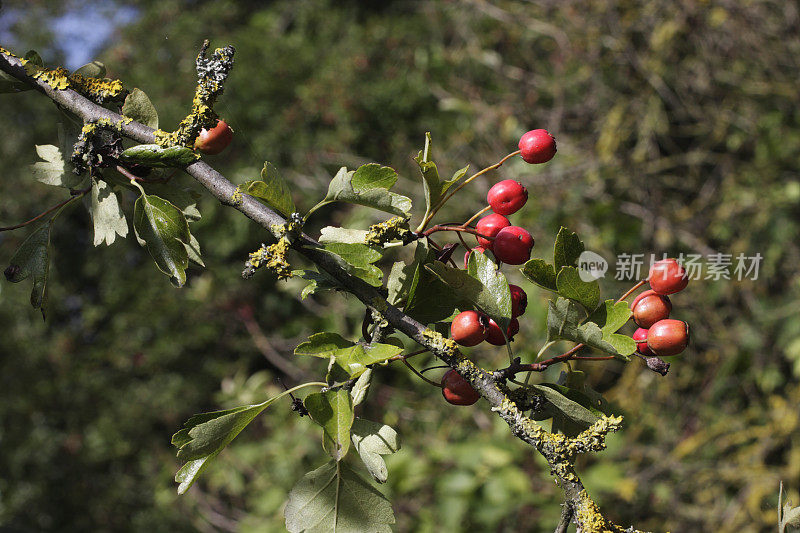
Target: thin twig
76	194
423	378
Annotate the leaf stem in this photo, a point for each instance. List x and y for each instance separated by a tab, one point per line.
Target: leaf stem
74	195
462	185
423	378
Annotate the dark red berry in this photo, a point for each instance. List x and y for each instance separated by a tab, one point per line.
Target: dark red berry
215	140
668	337
640	336
477	249
469	328
537	146
512	245
519	301
507	197
457	390
650	307
495	334
489	226
668	277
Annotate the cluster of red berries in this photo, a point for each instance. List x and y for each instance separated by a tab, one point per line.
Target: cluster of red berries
215	140
509	244
471	328
658	334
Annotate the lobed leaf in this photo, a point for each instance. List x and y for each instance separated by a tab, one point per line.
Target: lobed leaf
162	229
371	440
32	259
333	410
107	216
334	498
570	285
271	189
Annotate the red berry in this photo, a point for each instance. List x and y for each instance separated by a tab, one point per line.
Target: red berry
457	390
668	337
668	276
650	307
478	249
507	197
640	336
489	226
495	334
215	140
537	146
512	245
519	301
469	328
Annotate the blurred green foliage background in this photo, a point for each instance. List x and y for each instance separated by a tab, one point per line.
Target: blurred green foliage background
678	131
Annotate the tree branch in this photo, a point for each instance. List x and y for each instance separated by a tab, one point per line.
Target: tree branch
557	449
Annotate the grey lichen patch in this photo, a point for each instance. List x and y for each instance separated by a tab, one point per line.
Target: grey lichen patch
272	257
84	152
446	349
396	228
211	74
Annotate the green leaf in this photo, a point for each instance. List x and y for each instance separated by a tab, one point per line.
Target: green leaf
32	259
139	107
361	387
490	293
352	358
563	322
318	281
107	216
10	84
205	435
183	198
357	259
566	406
154	155
432	184
429	298
162	229
567	249
271	189
541	273
324	344
95	69
570	285
193	250
341	189
399	282
496	294
333	410
611	316
345	235
373	176
334	498
52	170
371	440
34	57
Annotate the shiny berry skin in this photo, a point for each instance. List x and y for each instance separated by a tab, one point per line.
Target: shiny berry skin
495	334
537	146
650	307
469	328
640	336
519	301
215	140
489	226
668	337
507	197
457	390
668	277
512	245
